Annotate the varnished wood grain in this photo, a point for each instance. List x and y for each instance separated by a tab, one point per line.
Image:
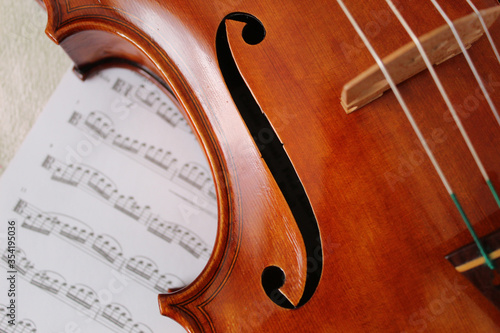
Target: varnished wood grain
385	221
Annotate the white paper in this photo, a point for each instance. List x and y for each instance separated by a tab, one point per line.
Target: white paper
113	203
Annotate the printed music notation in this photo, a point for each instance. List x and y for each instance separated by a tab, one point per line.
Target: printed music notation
22	326
190	176
95	182
113	151
198	177
99	124
78	296
154	101
100	246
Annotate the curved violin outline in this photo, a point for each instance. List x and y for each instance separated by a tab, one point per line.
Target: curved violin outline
275	157
63	20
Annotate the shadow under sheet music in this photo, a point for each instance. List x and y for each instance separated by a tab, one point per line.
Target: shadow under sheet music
108	203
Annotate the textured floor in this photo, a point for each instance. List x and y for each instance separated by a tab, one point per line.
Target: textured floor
31	66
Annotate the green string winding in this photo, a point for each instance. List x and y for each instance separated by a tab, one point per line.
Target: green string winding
490	263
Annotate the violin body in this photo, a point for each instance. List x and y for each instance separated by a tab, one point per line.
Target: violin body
384	221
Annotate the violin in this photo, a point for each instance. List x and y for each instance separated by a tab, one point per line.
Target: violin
354	147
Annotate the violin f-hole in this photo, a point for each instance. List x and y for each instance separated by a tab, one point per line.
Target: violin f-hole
276	158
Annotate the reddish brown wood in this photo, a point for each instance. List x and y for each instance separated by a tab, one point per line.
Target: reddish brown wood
386	222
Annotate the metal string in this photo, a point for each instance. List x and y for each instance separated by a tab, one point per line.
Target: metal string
485	28
445	96
415	127
469	61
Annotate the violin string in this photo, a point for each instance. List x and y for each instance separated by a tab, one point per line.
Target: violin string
441	89
485	28
416	129
469	61
447	100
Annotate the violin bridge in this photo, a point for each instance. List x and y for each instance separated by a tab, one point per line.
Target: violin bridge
439	45
469	262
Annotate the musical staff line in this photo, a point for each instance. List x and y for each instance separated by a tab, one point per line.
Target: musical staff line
88	179
159	160
191	176
100	217
192	202
78	296
154	101
103	247
22	326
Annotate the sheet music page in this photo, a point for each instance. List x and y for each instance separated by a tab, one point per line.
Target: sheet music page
108	203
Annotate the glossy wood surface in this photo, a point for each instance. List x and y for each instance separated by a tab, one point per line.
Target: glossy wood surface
385	220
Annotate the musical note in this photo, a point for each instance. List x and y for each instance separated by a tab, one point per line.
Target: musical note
75	233
186	239
140	151
195	175
122	87
140	328
164	230
142	266
193	245
117	314
100	184
22	265
168	231
128	144
79	296
163	159
102	258
22	326
49	281
156	102
147	97
170	114
69	174
25	326
83	295
40	223
130	207
99	123
101	246
107	247
164	284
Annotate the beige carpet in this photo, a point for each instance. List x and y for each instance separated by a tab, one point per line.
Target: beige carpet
31	66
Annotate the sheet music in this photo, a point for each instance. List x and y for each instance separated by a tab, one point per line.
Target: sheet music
113	203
